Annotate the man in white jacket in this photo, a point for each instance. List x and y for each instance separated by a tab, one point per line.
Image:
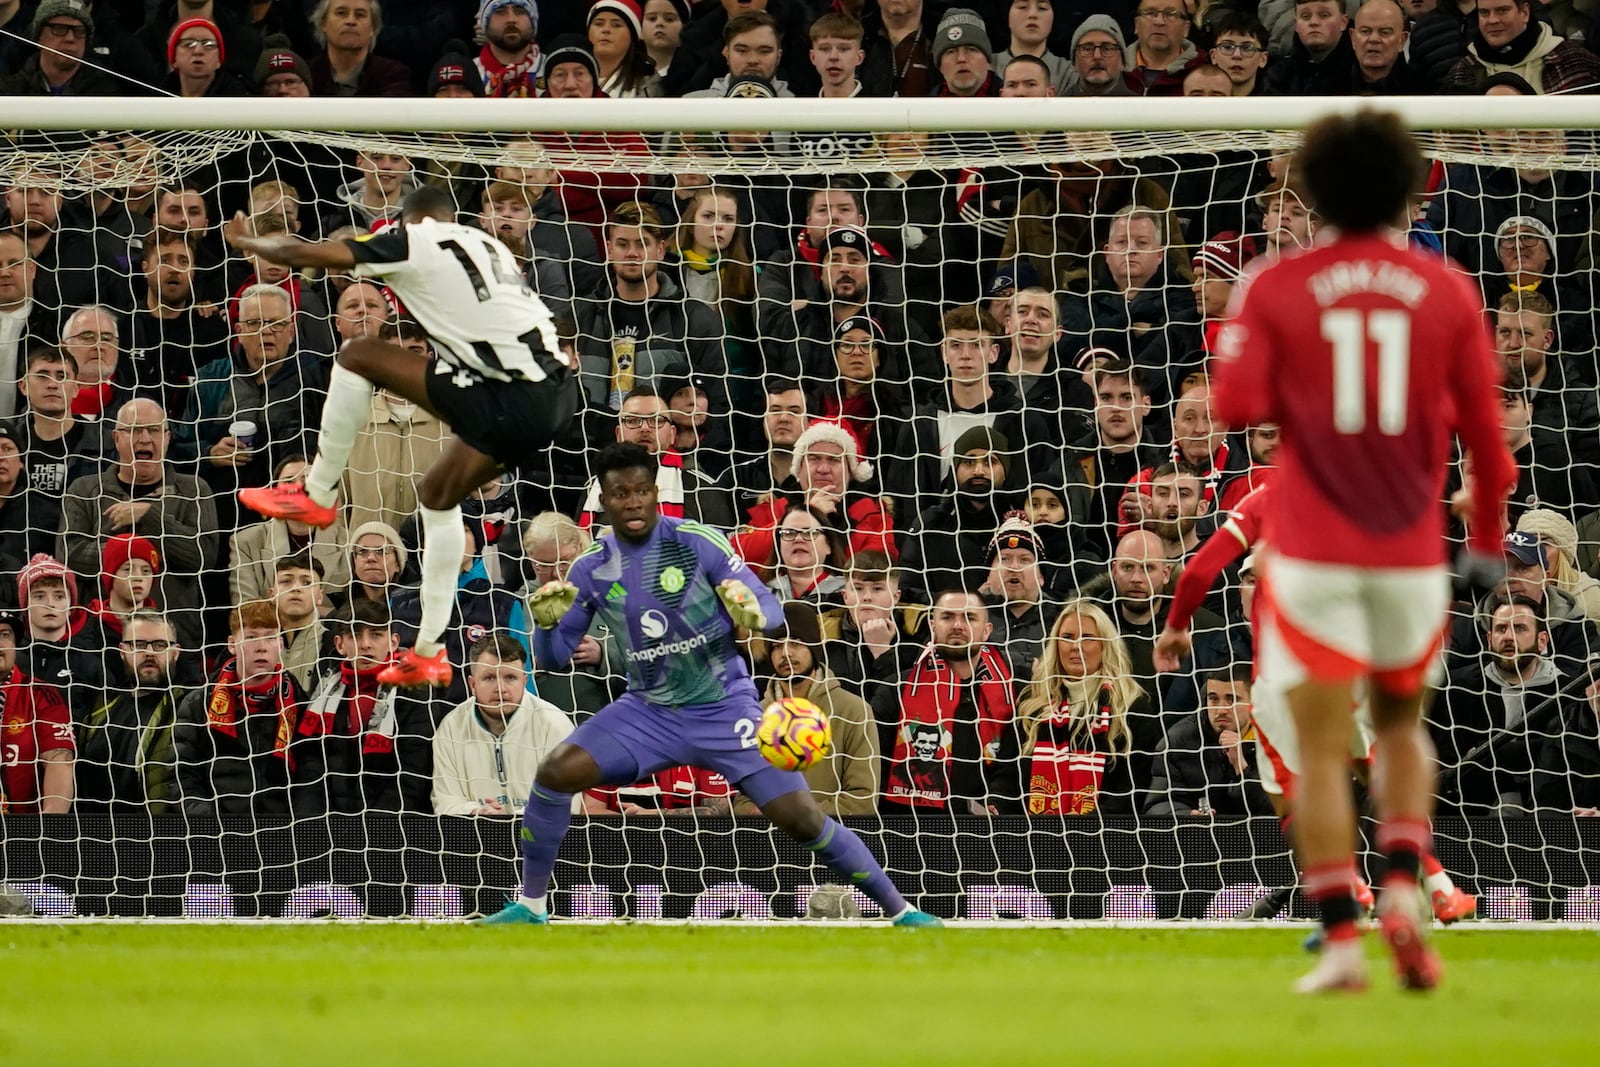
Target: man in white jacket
488	747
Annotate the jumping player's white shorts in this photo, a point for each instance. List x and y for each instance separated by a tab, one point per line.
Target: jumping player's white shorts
1329	623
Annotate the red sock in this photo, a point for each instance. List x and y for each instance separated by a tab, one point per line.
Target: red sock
1431	865
1404	841
1331	887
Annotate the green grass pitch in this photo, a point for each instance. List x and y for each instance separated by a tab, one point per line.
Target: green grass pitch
643	996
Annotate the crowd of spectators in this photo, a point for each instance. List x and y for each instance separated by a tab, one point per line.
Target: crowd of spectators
959	417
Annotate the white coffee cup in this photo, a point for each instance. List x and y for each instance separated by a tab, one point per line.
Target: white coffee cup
244	433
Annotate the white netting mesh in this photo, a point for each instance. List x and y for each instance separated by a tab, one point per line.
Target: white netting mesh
126	223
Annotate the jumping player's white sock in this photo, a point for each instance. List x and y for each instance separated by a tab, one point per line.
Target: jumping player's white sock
443	542
344	413
536	905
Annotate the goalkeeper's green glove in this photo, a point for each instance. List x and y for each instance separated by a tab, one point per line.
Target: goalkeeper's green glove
551	601
742	605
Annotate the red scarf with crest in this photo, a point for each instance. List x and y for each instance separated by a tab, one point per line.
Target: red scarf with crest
361	691
231	701
1064	773
928	701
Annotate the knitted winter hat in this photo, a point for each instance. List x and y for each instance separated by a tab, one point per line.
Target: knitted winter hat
489	7
455	67
1016	532
120	549
1105	24
961	25
831	432
54	9
189	24
389	535
40	566
1225	255
279	57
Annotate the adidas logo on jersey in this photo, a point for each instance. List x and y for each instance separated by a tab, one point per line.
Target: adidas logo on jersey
616	592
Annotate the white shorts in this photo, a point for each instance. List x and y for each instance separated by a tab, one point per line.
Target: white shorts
1327	622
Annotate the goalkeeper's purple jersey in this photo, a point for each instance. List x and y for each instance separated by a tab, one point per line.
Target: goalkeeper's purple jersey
659	600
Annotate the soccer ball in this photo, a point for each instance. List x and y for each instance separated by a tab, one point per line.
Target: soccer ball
793	734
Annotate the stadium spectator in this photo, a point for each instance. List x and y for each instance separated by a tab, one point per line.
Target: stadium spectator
955	745
256	549
947	546
736	41
663	32
558	260
1199	440
126	758
488	747
310	312
831	481
1240	50
173	333
130	569
1136	289
24	322
1088	734
1509	40
1162	53
1116	450
963	56
454	76
57	447
867	405
1285	220
1573	638
973	396
234	734
1097	64
346	66
377	561
550	543
1033	335
374	197
1140	573
836	55
1439	32
1177	501
1322	56
510	61
571	73
846	782
1564	403
1031	23
897	35
1207	79
616	36
873	642
92	337
36	778
1498	721
1544	475
807	570
28	520
1217	265
758	478
1380	37
265	383
1206	765
73	266
1525	249
63	29
297	583
1020	607
1560	541
644	421
280	70
360	746
701	441
398	443
360	311
143	493
61	650
195	55
637	321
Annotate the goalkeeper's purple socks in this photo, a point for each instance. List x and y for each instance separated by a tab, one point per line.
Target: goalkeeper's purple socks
847	855
544	824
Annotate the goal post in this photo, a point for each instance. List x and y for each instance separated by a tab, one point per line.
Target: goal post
957	200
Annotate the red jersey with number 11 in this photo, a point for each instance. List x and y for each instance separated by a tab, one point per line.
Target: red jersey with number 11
1369	356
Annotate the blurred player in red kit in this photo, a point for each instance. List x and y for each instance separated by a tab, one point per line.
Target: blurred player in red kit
1369	356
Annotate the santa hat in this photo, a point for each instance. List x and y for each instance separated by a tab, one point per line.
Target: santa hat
629	11
122	548
1225	255
189	24
41	566
832	433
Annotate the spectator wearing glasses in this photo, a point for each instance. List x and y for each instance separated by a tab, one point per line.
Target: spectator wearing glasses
1161	53
1097	51
195	54
591	681
92	338
1240	51
377	562
808	557
62	29
645	421
126	758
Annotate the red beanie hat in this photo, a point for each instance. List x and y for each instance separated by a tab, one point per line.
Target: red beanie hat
43	566
120	549
189	24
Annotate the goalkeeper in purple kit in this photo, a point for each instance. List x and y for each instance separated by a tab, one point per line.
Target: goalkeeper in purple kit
673	592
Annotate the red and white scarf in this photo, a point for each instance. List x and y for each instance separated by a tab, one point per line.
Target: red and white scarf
275	696
928	699
1066	767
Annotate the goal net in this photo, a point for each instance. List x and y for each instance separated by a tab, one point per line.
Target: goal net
937	369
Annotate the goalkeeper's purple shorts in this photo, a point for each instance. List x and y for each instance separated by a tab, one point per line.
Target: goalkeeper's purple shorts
631	739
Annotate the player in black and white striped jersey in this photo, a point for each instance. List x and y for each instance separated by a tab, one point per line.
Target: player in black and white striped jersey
498	378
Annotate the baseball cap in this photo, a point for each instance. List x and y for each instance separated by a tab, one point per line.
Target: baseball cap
1525	548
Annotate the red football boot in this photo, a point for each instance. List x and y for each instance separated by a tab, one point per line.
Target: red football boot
289	502
411	670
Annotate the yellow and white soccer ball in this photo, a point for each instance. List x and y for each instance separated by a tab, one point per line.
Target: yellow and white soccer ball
793	734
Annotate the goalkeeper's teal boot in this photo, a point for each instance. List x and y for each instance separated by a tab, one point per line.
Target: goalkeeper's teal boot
913	919
515	913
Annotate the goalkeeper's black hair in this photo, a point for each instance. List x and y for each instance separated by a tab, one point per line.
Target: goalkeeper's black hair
1361	171
623	456
428	202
